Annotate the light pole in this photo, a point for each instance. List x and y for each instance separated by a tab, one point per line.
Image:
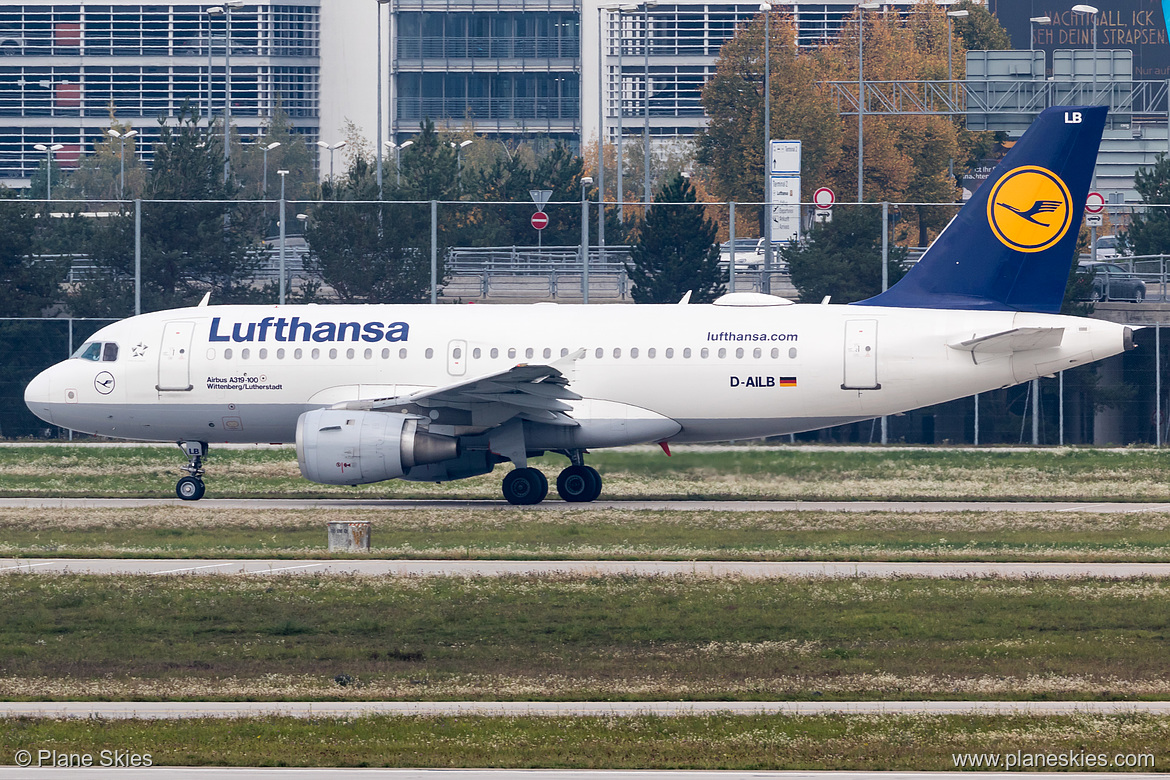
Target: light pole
282	174
1032	22
861	8
226	9
601	82
48	150
398	158
1089	10
268	148
950	38
586	183
766	282
122	158
332	149
621	103
378	148
646	6
459	147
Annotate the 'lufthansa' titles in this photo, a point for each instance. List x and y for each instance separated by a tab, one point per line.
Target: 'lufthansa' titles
296	329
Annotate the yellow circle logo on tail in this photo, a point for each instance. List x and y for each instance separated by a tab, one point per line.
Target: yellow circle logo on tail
1029	209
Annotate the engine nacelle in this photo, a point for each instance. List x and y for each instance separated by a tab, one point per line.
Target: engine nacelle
346	447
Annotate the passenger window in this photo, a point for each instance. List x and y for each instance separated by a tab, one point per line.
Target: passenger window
264	354
757	353
430	353
792	352
564	352
704	352
298	353
738	352
634	352
368	354
456	353
227	354
349	354
722	352
528	353
547	353
495	353
475	353
775	352
402	353
670	352
245	354
110	352
600	352
315	354
511	352
280	354
90	351
617	352
333	354
650	352
687	352
385	354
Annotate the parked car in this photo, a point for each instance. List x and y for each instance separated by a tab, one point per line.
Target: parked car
745	253
1112	282
1107	248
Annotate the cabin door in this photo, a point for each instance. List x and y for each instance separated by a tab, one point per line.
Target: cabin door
174	358
860	355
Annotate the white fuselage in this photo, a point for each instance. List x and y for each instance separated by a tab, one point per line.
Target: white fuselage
719	371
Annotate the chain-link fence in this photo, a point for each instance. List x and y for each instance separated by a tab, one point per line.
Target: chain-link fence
104	261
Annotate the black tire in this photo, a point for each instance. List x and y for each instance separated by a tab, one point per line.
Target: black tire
190	488
579	484
524	487
1139	295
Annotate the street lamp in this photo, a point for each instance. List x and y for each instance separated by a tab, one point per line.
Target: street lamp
1032	22
621	197
950	36
766	282
282	174
398	158
459	147
332	149
378	148
1089	10
861	95
601	84
226	9
646	6
48	150
586	183
122	158
268	148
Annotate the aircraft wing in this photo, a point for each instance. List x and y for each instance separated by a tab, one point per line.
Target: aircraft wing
530	392
1014	340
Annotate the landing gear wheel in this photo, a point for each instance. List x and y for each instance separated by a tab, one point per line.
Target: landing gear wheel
579	484
525	486
190	489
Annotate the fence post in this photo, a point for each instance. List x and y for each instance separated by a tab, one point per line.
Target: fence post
584	246
731	259
1158	382
137	260
885	283
1060	376
434	251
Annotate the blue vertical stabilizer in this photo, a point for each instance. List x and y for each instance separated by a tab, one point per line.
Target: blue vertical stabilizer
1012	245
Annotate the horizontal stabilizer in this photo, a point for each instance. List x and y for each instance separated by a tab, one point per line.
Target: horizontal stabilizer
1014	340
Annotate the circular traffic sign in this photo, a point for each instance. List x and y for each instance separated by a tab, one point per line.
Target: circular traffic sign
824	198
1095	203
540	220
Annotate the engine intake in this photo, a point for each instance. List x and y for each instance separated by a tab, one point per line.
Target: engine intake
346	447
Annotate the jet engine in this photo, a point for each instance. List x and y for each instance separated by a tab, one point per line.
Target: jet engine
347	447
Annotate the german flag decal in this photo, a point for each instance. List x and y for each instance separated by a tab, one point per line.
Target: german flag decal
787	381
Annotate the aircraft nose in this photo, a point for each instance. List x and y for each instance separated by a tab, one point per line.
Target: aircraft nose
38	396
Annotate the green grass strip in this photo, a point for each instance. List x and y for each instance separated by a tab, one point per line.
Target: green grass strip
743	473
578	638
765	742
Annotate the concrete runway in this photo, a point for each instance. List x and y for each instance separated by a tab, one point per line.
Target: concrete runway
224	773
421	568
554	505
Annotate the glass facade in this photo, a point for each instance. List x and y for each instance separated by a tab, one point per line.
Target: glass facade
63	66
423	35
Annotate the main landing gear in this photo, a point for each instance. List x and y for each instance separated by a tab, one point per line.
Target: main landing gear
577	483
191	487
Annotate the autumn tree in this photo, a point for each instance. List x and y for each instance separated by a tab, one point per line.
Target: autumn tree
843	258
732	146
676	250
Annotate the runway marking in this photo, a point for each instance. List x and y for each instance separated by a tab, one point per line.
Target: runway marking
284	568
195	568
27	565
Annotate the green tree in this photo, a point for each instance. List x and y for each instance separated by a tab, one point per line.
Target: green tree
369	252
30	283
1149	230
843	258
428	168
676	250
191	244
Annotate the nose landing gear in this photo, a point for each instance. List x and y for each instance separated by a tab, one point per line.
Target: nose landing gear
191	487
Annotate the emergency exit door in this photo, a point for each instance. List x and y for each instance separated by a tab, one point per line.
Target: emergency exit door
860	355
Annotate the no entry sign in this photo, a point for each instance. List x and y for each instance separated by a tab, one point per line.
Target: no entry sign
540	220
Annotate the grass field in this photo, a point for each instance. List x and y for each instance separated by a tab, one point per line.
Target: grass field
197	531
711	742
574	638
740	473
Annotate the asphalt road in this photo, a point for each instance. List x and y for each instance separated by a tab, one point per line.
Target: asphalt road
554	505
399	568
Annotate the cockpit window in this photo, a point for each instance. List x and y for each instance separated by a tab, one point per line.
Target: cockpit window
110	352
91	351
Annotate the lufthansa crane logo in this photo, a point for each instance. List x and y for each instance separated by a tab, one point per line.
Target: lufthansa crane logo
1029	209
